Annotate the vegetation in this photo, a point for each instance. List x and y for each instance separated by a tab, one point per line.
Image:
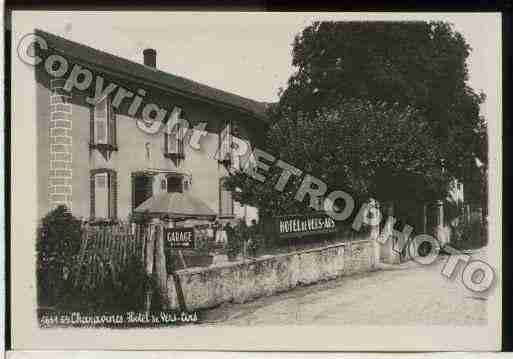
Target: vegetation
58	241
377	109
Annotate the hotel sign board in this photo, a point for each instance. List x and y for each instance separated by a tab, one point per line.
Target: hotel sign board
178	238
304	225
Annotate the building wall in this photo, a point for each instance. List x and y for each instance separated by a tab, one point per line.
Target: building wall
131	155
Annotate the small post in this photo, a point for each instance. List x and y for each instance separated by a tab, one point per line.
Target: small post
390	247
176	278
439	230
160	265
148	265
467	213
374	233
182	259
424	218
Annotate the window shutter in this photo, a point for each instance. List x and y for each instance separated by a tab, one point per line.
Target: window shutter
225	199
170	140
180	147
225	143
101	194
113	195
173	143
91	130
112	125
101	122
92	195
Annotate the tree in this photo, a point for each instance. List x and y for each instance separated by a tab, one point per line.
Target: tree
418	64
364	148
58	240
377	109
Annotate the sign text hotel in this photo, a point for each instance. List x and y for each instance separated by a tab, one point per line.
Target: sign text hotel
298	226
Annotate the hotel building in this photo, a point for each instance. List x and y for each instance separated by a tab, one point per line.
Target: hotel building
94	154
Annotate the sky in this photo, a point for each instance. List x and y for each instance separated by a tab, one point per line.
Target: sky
250	53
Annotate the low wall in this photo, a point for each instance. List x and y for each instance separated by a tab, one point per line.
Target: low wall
243	281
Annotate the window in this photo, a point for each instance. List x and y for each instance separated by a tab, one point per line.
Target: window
142	188
103	194
173	146
174	184
103	128
225	200
174	135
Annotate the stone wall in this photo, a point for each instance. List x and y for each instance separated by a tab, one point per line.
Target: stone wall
242	281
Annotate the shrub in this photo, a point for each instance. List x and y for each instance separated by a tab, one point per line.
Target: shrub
469	235
236	236
58	241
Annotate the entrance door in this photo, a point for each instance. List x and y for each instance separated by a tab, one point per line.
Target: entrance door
142	189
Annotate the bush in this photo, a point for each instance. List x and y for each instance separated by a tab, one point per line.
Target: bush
58	241
469	236
236	236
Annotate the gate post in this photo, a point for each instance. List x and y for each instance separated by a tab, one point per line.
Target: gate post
374	233
160	266
389	249
149	249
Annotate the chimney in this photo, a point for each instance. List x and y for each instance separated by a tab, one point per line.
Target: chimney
150	57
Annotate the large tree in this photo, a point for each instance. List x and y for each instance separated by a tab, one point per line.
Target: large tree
364	148
418	64
377	109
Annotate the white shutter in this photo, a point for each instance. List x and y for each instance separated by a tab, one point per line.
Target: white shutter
101	129
226	199
101	195
176	131
172	143
226	142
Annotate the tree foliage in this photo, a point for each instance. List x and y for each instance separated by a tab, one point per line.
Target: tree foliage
377	109
367	149
418	64
58	240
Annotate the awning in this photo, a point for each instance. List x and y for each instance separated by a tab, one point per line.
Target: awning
176	205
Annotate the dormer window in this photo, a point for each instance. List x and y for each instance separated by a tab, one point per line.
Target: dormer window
103	127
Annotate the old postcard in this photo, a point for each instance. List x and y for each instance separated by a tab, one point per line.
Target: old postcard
256	181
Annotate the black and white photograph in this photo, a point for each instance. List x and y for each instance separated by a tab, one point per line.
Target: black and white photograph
252	180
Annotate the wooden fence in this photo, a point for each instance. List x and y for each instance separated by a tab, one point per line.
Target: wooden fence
105	252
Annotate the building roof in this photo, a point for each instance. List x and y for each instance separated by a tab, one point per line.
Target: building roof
167	81
176	205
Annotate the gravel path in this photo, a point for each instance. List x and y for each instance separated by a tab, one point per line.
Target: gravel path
402	295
